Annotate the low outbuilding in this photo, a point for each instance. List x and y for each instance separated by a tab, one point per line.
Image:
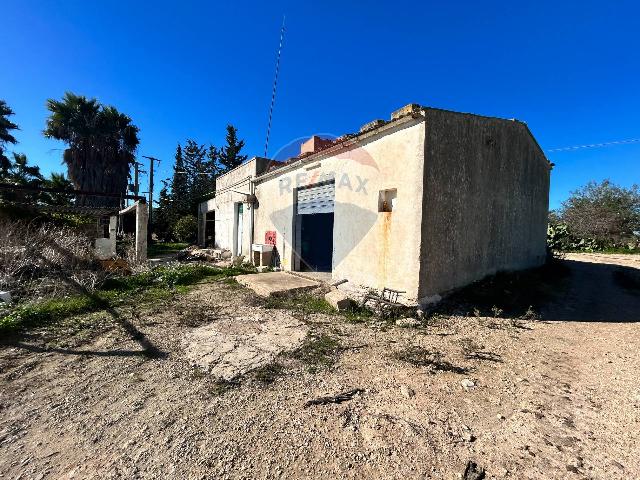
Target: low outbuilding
424	203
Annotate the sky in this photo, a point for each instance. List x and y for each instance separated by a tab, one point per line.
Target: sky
570	69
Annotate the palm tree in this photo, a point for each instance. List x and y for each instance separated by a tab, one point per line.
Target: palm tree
101	145
60	182
6	126
19	172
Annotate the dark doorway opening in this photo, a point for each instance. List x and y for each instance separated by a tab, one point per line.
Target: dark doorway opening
210	229
316	242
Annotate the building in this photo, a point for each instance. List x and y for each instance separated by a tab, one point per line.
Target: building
426	202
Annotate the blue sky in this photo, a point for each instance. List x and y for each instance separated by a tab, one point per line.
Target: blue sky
181	70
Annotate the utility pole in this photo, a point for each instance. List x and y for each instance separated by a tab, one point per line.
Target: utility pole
136	184
136	179
151	164
137	171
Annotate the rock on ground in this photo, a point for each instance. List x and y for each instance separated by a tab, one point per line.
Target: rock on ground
338	300
407	391
235	346
407	322
467	384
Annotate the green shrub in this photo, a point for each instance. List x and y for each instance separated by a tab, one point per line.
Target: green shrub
160	248
559	238
50	311
304	302
601	217
172	275
186	229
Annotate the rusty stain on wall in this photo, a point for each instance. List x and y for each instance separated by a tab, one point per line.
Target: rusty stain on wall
384	253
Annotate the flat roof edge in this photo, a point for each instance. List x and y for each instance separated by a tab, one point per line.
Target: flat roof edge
348	142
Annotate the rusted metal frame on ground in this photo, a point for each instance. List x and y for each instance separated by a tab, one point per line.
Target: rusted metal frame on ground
386	303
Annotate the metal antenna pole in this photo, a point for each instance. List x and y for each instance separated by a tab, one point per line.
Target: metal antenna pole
275	85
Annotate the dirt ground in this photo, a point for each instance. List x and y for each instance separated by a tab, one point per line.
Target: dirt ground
555	397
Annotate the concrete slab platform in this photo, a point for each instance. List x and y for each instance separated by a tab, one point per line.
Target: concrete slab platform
233	346
322	277
275	283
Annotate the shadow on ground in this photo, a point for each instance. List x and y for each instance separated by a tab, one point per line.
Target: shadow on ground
596	292
567	290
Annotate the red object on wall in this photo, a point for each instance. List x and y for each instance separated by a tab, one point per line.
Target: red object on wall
270	238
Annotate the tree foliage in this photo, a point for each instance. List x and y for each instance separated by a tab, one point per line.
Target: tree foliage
101	144
200	173
15	170
18	172
164	216
61	182
597	216
186	229
193	181
230	156
6	137
179	199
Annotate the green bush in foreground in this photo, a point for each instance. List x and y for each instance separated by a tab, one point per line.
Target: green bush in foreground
50	311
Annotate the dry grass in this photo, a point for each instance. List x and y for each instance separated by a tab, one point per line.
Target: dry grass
46	260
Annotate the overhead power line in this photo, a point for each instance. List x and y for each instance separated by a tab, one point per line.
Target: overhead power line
594	145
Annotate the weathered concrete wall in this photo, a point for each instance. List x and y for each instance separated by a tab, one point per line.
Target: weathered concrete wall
224	225
141	212
142	219
486	191
371	248
471	199
105	248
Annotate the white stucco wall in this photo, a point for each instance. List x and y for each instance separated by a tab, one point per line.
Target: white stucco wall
224	204
369	248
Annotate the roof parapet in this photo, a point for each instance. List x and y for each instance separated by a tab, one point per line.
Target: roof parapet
371	125
411	109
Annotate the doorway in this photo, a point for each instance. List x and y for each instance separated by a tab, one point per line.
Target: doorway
239	222
210	229
316	242
314	227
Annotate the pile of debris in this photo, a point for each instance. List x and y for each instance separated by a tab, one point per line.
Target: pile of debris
195	253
